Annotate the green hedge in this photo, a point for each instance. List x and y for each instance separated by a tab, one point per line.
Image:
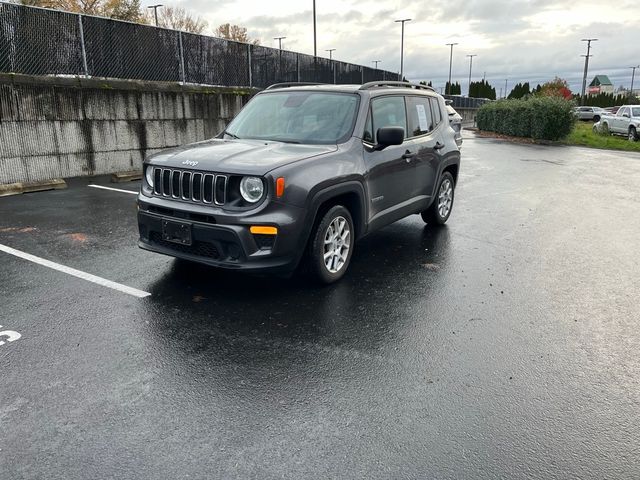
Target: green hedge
541	118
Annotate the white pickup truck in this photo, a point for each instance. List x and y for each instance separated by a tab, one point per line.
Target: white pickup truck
625	122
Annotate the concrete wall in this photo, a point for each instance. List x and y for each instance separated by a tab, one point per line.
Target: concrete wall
67	127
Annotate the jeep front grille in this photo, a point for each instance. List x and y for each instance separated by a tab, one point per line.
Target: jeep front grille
190	186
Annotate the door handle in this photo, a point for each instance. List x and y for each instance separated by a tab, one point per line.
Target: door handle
408	155
438	146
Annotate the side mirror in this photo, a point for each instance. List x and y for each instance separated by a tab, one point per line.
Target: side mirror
389	136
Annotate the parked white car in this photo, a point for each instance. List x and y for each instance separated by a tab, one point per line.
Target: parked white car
625	122
589	113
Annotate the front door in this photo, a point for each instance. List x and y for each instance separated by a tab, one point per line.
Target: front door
390	172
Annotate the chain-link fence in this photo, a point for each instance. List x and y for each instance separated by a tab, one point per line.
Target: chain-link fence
36	41
458	101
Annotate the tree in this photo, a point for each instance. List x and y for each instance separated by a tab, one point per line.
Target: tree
128	10
520	90
482	89
177	18
424	82
235	33
558	87
453	89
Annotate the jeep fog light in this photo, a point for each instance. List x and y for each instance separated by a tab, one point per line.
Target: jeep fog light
148	173
251	189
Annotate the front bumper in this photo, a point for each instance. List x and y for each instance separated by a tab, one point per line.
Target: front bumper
223	240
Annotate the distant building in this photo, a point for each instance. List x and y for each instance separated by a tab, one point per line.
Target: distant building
600	84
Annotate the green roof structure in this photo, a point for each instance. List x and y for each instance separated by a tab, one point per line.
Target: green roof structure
600	80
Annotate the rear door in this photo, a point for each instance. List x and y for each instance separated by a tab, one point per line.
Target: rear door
389	176
424	118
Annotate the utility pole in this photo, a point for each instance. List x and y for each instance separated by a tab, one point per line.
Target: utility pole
315	46
402	47
330	50
505	88
279	41
450	63
376	63
633	76
586	66
155	11
470	65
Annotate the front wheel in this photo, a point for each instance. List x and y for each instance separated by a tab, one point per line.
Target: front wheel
633	134
331	245
440	209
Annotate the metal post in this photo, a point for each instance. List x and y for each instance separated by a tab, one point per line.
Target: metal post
362	73
182	74
401	76
315	46
298	65
450	63
633	77
84	50
505	87
470	65
586	67
249	58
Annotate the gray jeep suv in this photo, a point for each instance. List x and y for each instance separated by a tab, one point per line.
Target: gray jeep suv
301	173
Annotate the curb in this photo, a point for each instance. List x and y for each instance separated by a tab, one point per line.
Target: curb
28	187
121	177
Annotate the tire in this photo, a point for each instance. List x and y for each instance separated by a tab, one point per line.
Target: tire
440	209
324	242
605	129
633	134
596	118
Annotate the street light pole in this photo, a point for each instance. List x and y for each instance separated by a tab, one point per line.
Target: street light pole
330	50
633	76
279	41
376	63
586	66
155	11
450	63
505	87
402	47
315	46
470	65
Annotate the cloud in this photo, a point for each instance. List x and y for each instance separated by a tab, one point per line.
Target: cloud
518	40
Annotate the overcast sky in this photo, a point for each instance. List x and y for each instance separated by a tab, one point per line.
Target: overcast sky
515	40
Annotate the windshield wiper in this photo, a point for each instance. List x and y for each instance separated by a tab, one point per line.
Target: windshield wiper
283	140
225	132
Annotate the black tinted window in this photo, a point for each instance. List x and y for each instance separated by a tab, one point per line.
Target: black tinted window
367	135
389	112
435	108
419	113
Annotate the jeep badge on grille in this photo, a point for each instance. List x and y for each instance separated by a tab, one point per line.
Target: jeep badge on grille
191	163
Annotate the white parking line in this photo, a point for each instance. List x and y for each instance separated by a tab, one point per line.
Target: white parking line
114	189
76	273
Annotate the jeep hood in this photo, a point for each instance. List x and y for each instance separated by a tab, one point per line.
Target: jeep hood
250	157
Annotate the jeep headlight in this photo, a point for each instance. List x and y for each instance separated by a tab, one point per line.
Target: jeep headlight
148	173
251	189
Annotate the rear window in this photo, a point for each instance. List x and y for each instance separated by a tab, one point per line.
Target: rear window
420	117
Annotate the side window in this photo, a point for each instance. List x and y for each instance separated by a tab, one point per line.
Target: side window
420	118
622	111
388	112
435	108
367	135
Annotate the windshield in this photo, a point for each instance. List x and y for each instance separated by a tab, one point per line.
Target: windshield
297	117
635	112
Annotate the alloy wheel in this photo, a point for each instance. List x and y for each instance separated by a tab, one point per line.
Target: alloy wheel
337	242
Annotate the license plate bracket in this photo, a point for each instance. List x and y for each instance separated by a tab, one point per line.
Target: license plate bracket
176	232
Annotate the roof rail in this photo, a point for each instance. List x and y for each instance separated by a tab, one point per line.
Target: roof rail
292	84
389	83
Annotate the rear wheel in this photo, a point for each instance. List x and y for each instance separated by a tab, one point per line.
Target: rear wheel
331	245
633	134
440	209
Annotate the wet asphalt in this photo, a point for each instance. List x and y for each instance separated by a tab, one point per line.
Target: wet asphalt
503	345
